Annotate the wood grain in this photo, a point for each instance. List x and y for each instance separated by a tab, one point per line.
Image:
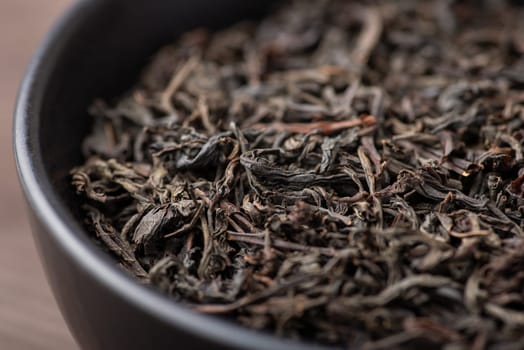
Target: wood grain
29	317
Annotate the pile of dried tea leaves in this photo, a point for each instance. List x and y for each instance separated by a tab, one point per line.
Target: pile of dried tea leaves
343	172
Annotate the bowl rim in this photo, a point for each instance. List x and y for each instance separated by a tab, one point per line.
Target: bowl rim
59	222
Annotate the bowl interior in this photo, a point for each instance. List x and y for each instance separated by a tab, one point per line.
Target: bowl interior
103	56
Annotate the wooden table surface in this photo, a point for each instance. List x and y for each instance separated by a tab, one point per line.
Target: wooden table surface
29	317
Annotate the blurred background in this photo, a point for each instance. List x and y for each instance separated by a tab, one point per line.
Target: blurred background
29	317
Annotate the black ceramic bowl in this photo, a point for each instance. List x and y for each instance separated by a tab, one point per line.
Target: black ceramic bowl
97	49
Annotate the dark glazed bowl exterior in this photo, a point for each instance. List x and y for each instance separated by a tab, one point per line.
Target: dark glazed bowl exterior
96	50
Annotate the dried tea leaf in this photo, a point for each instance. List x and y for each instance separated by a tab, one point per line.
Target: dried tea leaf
342	172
